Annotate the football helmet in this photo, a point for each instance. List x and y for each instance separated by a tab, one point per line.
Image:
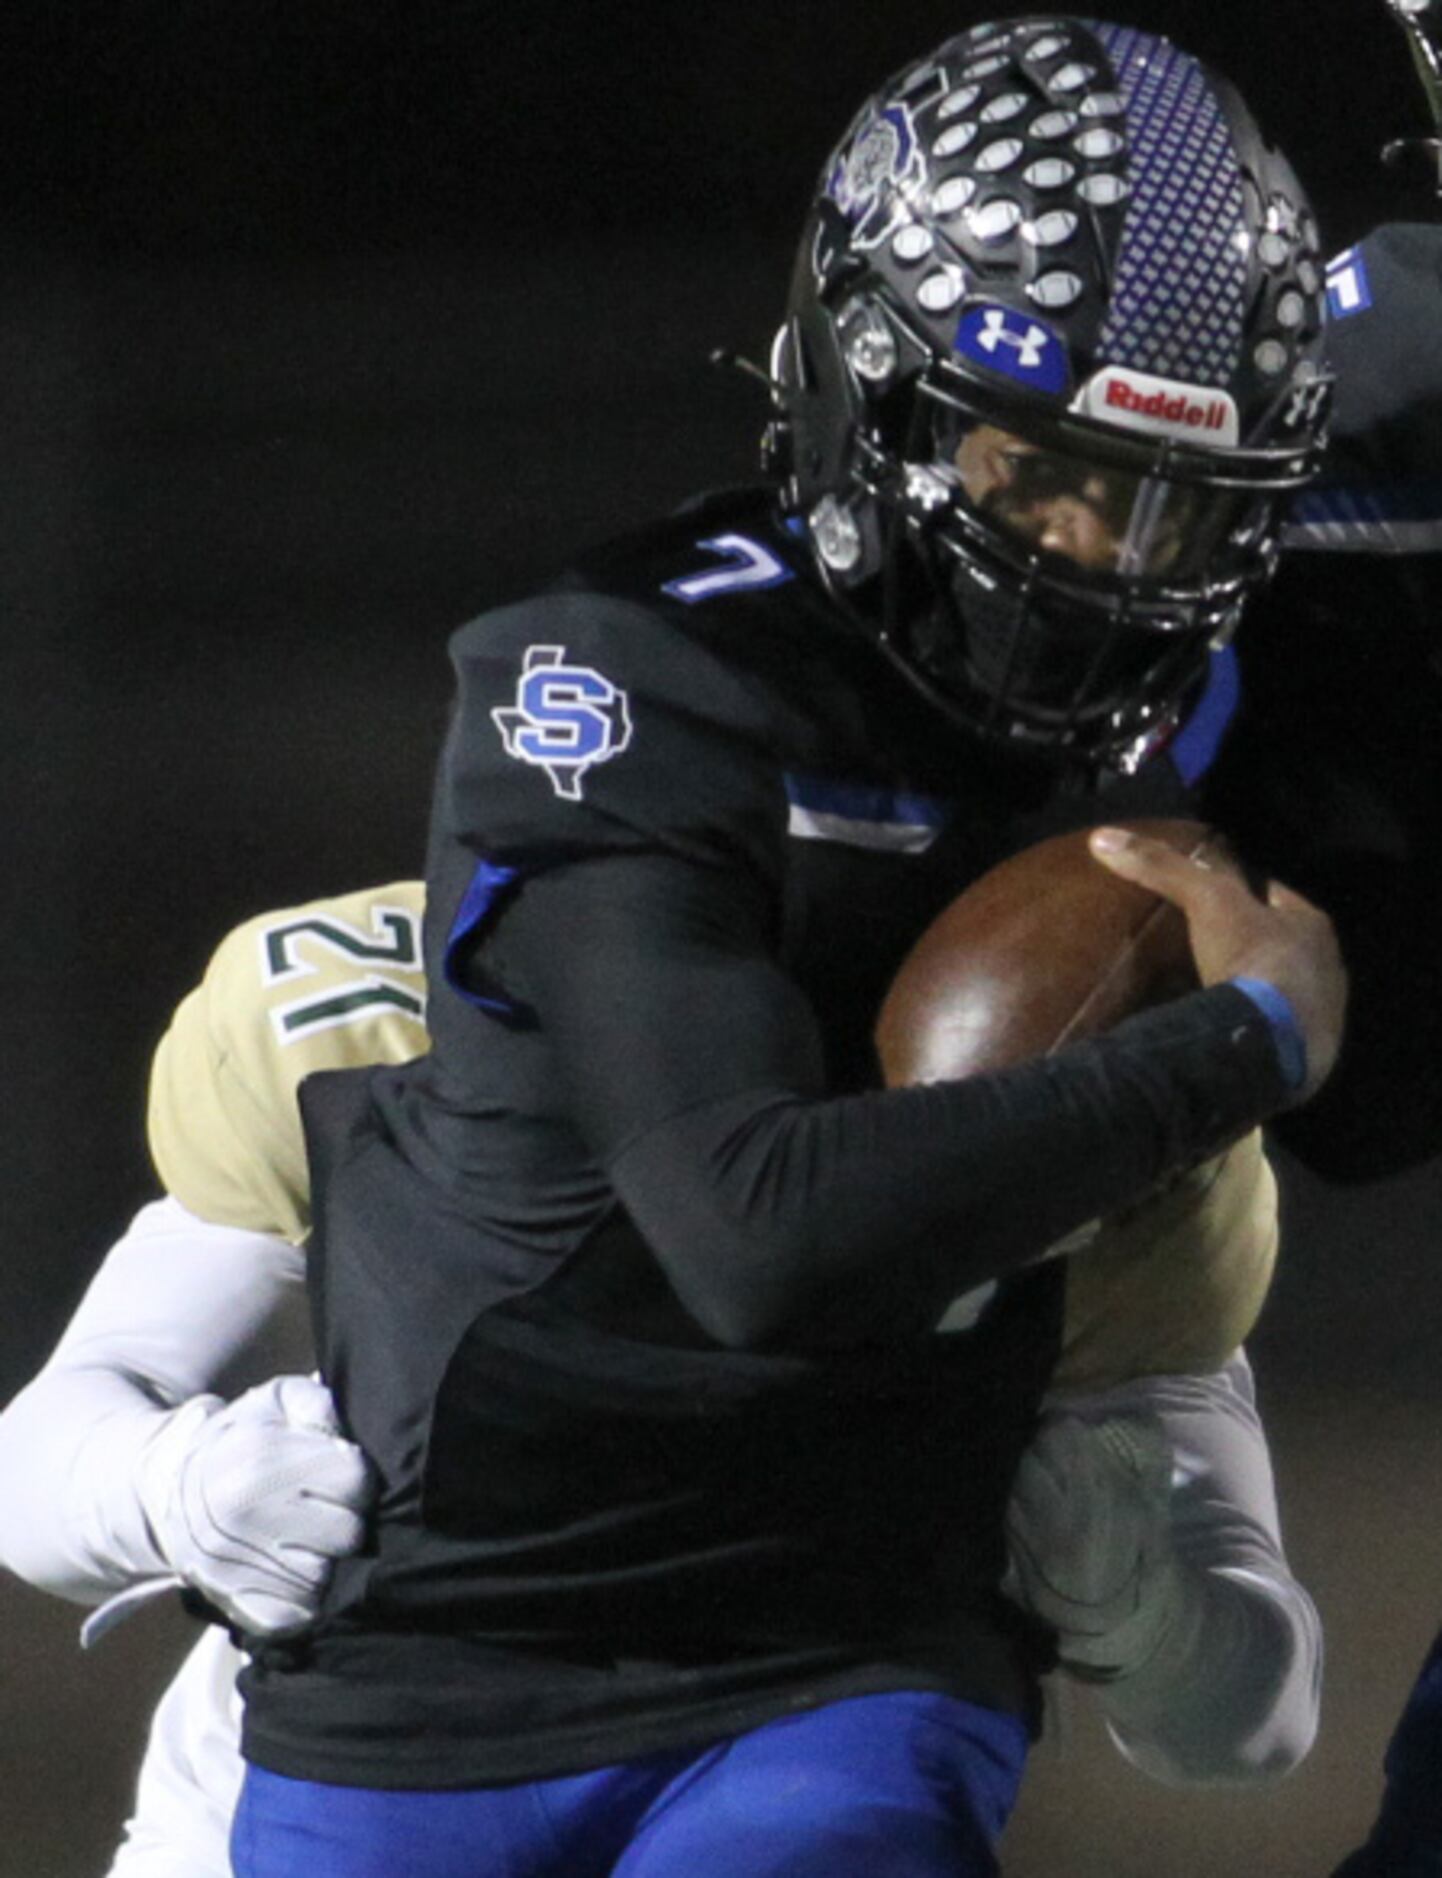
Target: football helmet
1422	24
1052	359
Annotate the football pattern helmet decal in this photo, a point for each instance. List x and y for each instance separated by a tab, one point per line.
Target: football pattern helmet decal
1052	355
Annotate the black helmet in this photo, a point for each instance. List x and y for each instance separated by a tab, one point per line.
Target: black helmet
1053	275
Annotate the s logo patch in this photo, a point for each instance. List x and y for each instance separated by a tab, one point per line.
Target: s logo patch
566	719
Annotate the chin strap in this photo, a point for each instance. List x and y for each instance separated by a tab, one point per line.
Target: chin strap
1421	22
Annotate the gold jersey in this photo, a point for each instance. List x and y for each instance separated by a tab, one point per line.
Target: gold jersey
334	984
1175	1284
1172	1286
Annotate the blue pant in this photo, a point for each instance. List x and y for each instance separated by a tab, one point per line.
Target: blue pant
1406	1841
912	1785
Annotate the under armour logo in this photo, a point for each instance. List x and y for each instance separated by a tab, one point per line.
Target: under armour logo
1306	402
1014	344
1030	345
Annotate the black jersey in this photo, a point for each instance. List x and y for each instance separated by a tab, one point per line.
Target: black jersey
695	1367
1331	777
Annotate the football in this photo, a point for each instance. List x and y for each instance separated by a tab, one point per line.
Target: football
1047	948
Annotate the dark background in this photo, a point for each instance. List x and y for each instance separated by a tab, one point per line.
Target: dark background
323	328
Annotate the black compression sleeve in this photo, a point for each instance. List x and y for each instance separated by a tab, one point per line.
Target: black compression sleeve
692	1069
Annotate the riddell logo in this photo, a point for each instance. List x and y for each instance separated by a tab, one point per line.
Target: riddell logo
1178	410
1161	406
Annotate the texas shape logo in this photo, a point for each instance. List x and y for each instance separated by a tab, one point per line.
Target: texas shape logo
566	719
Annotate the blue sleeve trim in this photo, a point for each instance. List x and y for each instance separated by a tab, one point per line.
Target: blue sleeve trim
1349	289
1362	505
1276	1007
1194	748
487	885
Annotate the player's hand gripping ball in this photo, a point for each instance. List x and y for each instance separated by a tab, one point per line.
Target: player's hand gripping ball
1046	949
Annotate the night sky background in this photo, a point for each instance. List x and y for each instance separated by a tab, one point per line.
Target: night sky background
324	328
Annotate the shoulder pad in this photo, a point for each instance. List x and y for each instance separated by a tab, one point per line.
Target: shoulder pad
592	723
334	984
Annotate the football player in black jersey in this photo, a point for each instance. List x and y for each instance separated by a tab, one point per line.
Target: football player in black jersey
1401	267
1381	882
1331	771
1406	1838
750	1347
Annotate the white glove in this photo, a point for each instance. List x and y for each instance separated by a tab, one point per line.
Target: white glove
252	1501
1088	1530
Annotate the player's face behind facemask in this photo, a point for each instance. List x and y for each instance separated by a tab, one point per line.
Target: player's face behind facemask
1061	580
1102	520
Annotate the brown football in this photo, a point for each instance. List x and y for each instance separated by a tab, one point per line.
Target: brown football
1047	948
